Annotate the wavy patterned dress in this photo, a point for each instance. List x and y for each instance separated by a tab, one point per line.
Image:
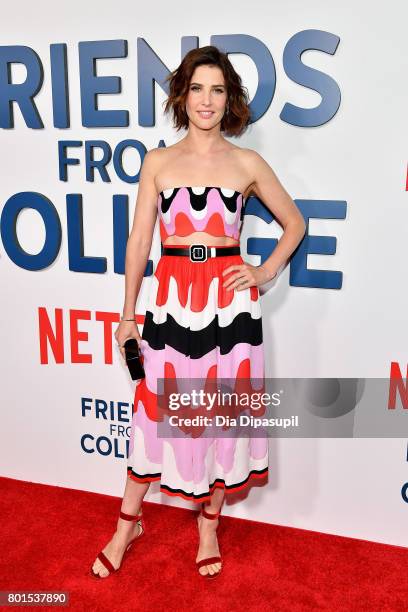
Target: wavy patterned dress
195	328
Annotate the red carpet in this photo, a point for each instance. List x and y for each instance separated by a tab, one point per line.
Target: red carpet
50	536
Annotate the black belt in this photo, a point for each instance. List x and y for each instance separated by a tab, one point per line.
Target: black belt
200	252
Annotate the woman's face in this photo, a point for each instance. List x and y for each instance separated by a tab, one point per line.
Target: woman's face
207	97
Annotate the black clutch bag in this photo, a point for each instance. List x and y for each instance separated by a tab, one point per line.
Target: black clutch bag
134	359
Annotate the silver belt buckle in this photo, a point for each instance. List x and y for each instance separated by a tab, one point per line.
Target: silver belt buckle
198	252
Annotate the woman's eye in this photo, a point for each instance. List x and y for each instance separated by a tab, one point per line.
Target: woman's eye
195	87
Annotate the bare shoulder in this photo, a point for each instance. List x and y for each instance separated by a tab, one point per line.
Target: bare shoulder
253	165
258	167
160	158
154	156
148	171
264	182
250	160
252	157
152	162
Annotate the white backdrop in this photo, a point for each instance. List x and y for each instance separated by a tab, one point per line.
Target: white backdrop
350	487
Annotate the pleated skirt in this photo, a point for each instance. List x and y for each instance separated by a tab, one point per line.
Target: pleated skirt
194	328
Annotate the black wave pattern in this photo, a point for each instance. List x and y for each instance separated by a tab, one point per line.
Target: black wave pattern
199	201
197	343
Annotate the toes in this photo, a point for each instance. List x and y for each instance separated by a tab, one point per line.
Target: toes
99	569
212	569
96	567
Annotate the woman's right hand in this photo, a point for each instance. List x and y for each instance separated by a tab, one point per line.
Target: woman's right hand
124	331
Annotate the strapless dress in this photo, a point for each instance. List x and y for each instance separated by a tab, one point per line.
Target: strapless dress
197	332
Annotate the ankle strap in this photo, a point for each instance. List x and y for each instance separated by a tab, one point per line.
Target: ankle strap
207	514
130	517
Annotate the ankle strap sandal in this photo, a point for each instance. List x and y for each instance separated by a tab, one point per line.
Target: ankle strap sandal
208	515
104	559
209	560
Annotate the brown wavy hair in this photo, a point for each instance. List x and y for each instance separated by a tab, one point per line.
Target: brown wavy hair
236	118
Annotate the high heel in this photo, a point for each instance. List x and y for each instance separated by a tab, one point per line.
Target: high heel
209	560
104	559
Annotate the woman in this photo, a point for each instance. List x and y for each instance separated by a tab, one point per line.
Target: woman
203	309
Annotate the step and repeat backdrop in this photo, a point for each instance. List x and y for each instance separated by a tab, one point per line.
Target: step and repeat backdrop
82	94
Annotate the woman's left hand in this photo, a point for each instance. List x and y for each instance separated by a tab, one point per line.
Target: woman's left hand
246	276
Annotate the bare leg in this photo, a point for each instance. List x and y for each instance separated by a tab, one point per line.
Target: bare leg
208	534
125	530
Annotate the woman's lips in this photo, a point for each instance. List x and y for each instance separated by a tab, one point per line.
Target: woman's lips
206	114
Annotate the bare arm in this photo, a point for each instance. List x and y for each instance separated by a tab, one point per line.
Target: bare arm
266	185
269	189
138	246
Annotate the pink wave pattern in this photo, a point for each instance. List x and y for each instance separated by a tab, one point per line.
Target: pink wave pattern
200	219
